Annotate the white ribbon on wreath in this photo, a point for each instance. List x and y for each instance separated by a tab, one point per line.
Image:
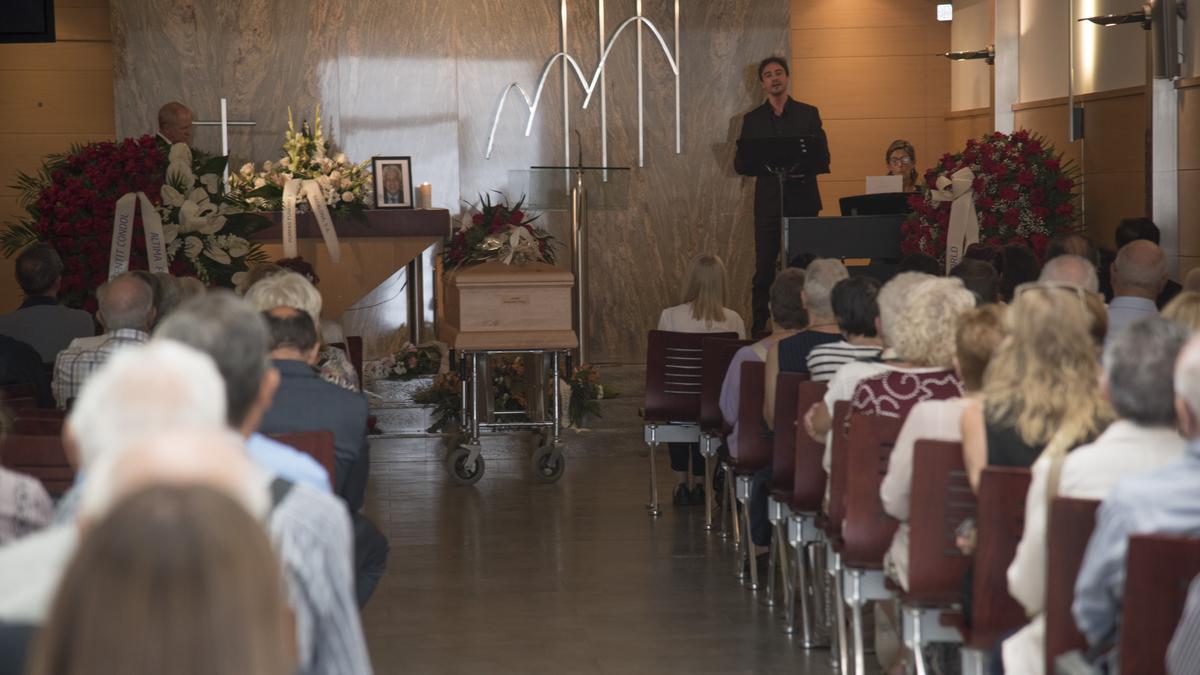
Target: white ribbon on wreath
316	201
964	221
122	238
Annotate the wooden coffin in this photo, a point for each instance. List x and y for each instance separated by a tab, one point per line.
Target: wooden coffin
498	306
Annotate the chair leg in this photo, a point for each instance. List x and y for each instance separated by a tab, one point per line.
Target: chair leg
748	541
917	641
708	494
653	505
801	590
769	600
856	618
735	522
817	589
843	662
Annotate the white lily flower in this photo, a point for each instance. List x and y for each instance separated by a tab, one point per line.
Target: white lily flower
347	197
259	182
180	174
323	181
199	196
341	158
212	225
247	169
335	174
190	219
171	196
345	183
267	166
170	232
192	246
217	254
211	182
181	153
238	247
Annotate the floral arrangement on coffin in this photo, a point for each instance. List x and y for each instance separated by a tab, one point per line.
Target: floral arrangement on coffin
1024	195
410	361
498	231
344	185
70	202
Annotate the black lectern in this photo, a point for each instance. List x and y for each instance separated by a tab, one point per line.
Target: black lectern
784	157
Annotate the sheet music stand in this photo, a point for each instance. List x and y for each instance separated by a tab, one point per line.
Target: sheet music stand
784	157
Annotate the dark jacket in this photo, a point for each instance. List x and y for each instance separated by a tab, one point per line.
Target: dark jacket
304	402
801	196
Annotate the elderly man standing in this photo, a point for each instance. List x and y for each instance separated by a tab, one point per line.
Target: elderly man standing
126	312
1138	275
174	124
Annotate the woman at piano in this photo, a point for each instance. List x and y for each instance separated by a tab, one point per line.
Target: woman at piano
901	160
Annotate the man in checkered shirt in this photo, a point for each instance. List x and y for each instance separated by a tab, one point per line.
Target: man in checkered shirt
126	312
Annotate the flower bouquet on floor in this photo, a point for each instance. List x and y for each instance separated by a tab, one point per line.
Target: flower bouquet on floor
1024	194
409	362
585	395
498	231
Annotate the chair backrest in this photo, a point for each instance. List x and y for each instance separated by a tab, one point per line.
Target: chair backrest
783	446
808	476
38	426
1000	521
837	466
1070	528
1158	570
754	446
316	444
20	402
867	530
18	390
941	498
41	413
42	457
354	349
715	355
674	372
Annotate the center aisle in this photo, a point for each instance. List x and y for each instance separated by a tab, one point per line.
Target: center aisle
512	576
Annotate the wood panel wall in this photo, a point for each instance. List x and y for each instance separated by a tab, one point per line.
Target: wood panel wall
963	125
869	66
1189	175
54	94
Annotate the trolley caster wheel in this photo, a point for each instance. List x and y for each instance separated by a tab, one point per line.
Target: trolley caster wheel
546	467
460	472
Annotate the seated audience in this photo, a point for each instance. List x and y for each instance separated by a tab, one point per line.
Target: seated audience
331	331
791	354
189	287
1071	270
788	318
856	308
1138	381
1138	275
1073	244
289	289
21	364
24	505
980	278
1192	281
173	575
1133	229
703	311
920	262
126	313
40	321
978	334
1184	309
1020	267
256	273
170	294
1040	382
1161	501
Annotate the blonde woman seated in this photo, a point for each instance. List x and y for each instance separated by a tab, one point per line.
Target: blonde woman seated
703	311
289	289
1184	309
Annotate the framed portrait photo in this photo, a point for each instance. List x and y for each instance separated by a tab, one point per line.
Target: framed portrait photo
393	182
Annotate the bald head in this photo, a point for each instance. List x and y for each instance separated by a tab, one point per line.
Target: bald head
126	302
1073	270
1140	270
175	122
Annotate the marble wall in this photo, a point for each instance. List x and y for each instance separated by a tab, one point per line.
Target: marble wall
422	78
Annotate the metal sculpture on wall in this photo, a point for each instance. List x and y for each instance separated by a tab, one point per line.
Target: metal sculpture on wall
597	78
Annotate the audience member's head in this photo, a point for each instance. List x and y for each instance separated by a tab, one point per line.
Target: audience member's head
289	289
175	122
980	278
235	336
1187	388
169	295
1140	270
1139	367
1072	270
300	266
1184	309
39	270
141	390
801	260
992	255
293	335
1043	376
820	277
1192	281
703	288
1073	244
787	300
856	306
1133	229
923	335
920	262
891	299
173	575
1020	267
256	274
126	302
980	331
189	287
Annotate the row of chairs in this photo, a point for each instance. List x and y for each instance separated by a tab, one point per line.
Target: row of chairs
848	539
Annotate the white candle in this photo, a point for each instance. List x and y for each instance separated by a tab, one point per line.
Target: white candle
424	196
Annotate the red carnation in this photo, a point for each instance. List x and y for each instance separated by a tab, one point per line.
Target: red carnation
986	202
477	219
1065	209
1053	165
1012	217
1025	178
1064	184
1009	193
516	217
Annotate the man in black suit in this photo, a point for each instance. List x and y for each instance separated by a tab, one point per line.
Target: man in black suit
779	117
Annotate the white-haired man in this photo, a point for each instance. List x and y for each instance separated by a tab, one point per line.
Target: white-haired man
1162	501
1138	275
1073	270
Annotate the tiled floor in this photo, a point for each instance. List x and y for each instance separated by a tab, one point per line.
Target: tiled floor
514	576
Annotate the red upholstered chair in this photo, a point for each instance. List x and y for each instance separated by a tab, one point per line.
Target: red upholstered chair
783	453
674	375
1158	570
42	457
941	499
866	529
38	426
754	452
715	355
830	522
316	444
1071	525
803	501
41	413
22	390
